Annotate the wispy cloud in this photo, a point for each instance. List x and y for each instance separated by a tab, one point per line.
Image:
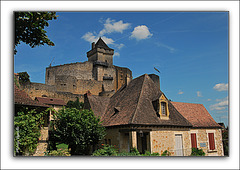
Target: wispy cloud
180	92
111	26
221	87
171	49
116	54
223	104
141	32
199	94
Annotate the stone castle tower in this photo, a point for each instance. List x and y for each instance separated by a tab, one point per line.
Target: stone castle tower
97	75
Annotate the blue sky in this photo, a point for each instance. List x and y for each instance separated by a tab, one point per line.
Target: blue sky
189	48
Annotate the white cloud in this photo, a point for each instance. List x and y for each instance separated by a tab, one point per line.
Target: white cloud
221	87
199	94
90	37
141	32
116	54
107	40
221	105
119	46
113	26
208	99
180	92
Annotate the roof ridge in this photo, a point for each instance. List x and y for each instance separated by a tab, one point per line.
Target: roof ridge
131	121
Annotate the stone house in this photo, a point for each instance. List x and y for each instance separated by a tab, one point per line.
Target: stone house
22	99
139	115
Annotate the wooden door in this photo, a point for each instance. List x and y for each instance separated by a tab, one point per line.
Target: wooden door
178	145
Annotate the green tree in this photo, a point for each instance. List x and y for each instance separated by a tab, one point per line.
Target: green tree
29	28
24	77
79	129
75	104
27	125
225	141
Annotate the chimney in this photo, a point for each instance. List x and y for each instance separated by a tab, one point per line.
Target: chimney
155	79
93	45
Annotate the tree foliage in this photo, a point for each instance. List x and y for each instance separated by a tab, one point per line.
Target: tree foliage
75	104
225	141
79	129
29	28
27	125
24	77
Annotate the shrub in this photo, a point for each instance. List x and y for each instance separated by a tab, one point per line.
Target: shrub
107	150
166	153
59	152
197	152
147	153
133	152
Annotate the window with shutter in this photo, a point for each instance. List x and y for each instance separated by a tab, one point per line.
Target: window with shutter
211	141
194	140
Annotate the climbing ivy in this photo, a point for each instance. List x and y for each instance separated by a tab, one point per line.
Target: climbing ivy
27	125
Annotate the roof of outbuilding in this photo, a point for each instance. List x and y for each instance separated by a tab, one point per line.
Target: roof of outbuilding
132	104
50	101
101	44
22	98
196	114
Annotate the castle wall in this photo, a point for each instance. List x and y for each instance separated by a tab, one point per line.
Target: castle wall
79	70
38	90
123	76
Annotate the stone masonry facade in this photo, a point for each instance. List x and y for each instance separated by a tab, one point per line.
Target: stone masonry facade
69	81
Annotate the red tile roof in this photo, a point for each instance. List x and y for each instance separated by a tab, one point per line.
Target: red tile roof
50	101
132	104
22	98
196	114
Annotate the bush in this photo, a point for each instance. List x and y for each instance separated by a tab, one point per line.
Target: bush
197	152
59	152
147	153
166	153
107	150
133	152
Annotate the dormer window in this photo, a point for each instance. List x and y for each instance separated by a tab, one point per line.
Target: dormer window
161	107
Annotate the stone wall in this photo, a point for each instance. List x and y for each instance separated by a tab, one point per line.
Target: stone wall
162	140
79	70
203	142
114	136
38	90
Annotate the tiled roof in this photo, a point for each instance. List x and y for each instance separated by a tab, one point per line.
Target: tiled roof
196	114
22	98
50	101
132	104
101	44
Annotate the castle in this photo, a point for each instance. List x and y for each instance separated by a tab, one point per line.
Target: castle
97	75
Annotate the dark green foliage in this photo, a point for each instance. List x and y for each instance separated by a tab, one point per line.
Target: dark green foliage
16	82
24	77
166	153
106	150
27	125
225	141
197	152
61	150
75	104
80	130
29	28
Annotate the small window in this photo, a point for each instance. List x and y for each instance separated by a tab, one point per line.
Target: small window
211	141
194	140
163	108
109	141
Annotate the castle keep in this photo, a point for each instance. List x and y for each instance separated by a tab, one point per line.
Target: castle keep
97	75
